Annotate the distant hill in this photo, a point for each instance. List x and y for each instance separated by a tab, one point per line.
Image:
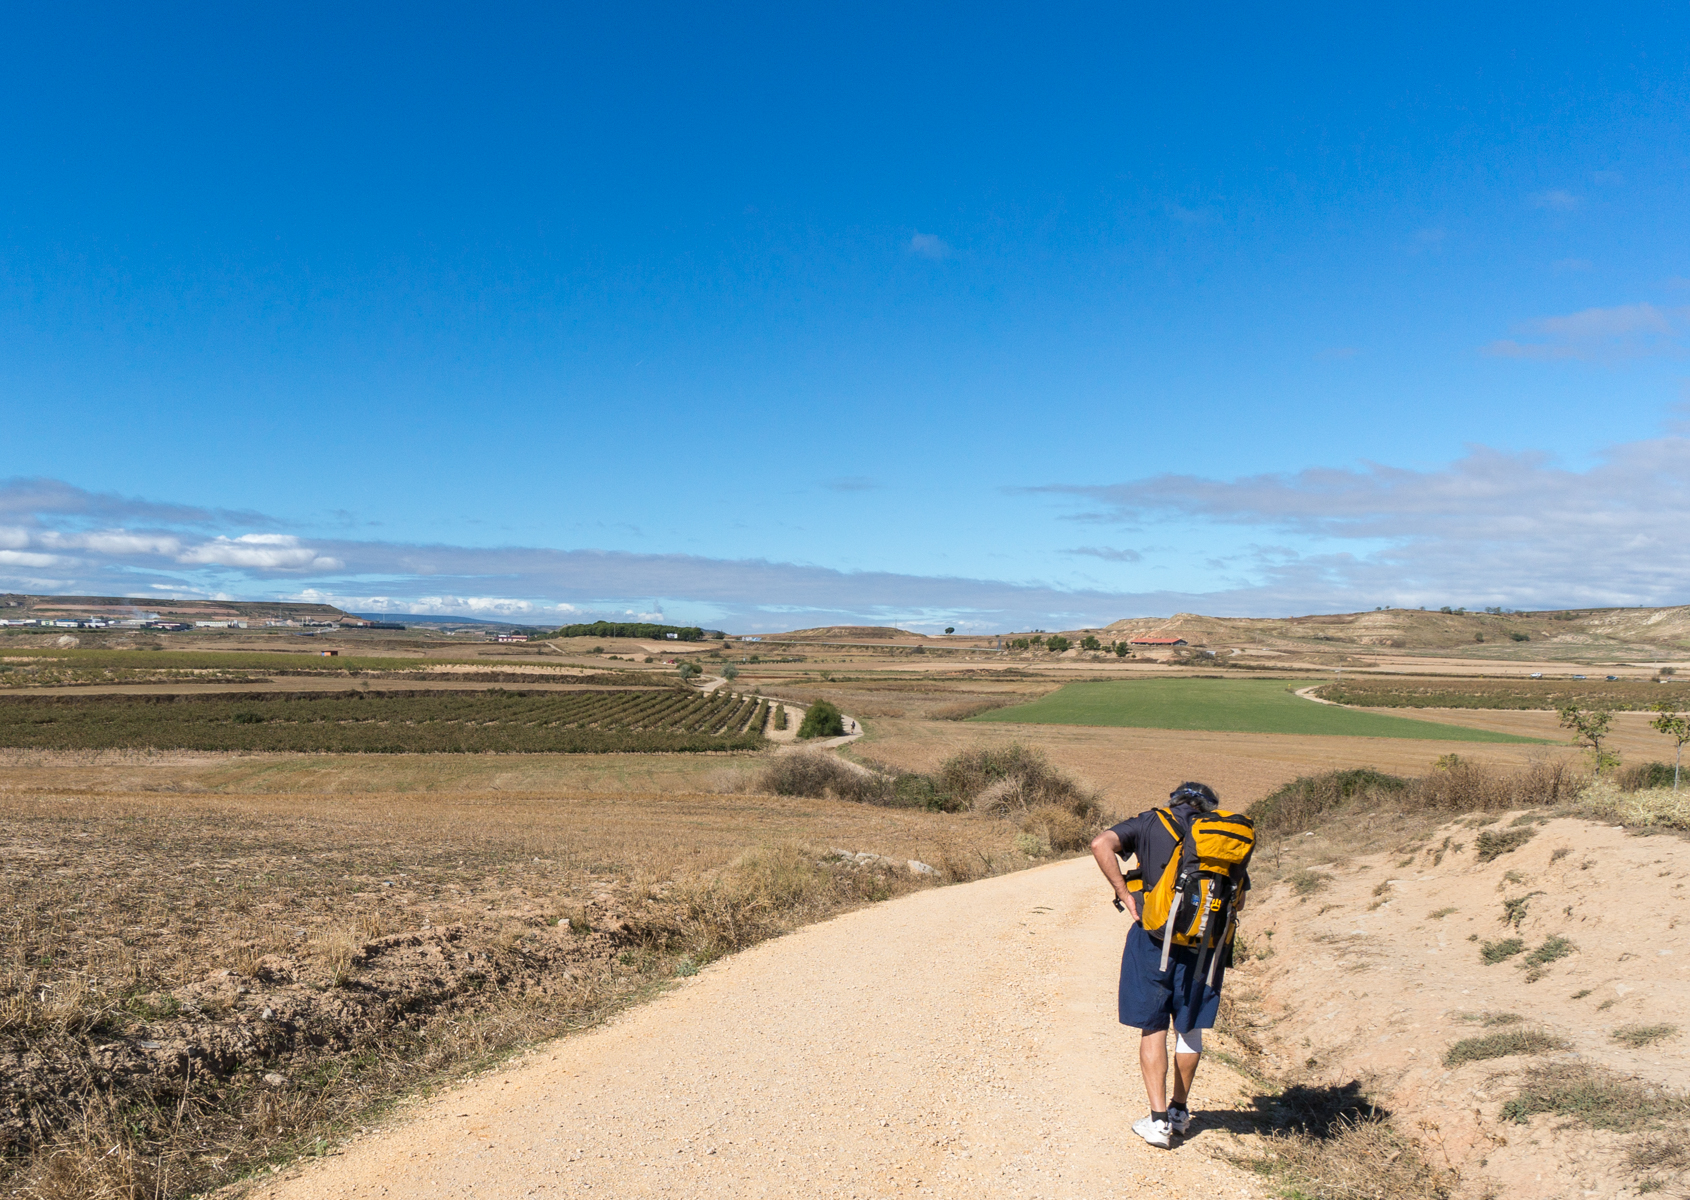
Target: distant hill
1419	629
15	605
850	633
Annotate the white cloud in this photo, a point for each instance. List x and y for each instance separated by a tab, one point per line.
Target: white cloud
262	551
1621	332
116	542
929	245
1510	528
22	558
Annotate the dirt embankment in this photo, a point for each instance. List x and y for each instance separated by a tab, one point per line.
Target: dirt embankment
1465	993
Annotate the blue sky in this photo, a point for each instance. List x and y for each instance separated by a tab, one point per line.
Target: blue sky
981	316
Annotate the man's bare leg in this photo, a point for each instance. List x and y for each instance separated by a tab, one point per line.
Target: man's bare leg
1153	1061
1185	1070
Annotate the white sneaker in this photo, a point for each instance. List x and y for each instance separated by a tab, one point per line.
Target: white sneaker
1179	1118
1157	1133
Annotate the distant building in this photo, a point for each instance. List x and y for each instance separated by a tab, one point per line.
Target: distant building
1155	641
513	637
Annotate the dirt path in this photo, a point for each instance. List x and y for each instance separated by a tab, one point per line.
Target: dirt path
958	1042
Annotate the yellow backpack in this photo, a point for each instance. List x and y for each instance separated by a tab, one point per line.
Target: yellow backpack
1195	902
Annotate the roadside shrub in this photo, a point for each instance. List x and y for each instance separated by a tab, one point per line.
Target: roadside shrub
822	720
1660	807
1018	783
1309	799
1644	776
819	775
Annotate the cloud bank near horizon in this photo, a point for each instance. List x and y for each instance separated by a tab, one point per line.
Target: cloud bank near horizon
1491	528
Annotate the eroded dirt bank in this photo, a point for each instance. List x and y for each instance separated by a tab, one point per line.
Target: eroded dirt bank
1557	971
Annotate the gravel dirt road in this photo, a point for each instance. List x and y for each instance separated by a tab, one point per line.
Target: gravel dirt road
958	1042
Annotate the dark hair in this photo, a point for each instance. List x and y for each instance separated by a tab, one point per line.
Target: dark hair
1199	794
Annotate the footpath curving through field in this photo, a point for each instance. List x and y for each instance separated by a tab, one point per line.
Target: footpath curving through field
957	1042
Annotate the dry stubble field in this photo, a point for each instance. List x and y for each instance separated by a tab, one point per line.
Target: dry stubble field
199	981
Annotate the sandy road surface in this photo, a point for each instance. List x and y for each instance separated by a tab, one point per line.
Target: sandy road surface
957	1042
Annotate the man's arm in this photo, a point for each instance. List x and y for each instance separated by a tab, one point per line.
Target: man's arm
1104	848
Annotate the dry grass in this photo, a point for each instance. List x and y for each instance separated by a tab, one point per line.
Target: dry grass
1501	1045
1637	1036
1593	1097
162	955
1356	1159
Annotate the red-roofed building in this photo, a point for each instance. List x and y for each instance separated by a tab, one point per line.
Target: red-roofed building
1155	641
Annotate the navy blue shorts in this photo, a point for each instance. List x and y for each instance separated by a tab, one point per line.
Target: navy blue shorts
1151	998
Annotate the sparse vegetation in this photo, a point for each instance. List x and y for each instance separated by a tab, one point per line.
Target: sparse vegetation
1306	883
1636	1037
1493	843
1501	1045
1594	1098
1495	952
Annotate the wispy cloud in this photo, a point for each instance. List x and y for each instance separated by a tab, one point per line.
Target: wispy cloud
851	483
1622	332
1504	528
928	245
1107	554
46	546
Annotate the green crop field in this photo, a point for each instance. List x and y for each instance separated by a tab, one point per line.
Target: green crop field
655	719
1223	706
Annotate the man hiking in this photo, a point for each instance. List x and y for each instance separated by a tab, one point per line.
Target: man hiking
1180	984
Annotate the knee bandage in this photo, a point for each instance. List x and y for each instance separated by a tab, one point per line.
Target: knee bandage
1188	1043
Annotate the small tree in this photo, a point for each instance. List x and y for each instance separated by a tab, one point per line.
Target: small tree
1590	729
1121	650
1675	726
730	672
823	720
1090	642
1056	643
950	629
687	670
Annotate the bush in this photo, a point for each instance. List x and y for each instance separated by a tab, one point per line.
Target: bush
822	720
1056	643
1089	642
1645	775
780	716
820	775
1019	784
1122	650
